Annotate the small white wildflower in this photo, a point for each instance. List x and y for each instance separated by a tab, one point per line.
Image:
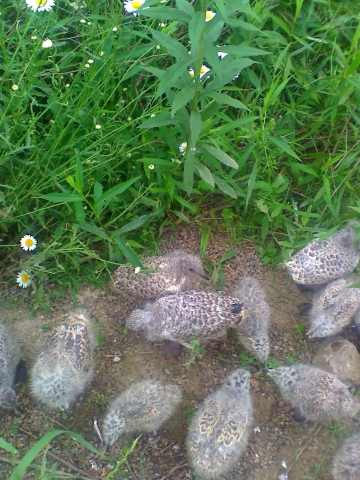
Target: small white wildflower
137	269
101	53
204	70
87	65
67	85
47	43
222	55
40	5
182	148
33	37
162	24
28	242
129	119
14	87
158	47
82	20
89	23
90	60
132	6
151	166
152	115
209	15
124	89
98	126
23	279
114	29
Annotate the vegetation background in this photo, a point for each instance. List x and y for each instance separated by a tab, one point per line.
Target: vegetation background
90	128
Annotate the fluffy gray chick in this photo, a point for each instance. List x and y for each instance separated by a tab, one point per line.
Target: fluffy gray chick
316	395
219	431
346	464
322	261
143	407
64	368
254	333
186	315
173	272
9	358
334	307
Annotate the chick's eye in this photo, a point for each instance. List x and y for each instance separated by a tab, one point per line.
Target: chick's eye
191	269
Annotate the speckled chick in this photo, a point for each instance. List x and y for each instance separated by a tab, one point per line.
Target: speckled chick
9	358
174	272
144	407
346	464
254	333
64	368
183	316
322	261
316	395
334	307
219	431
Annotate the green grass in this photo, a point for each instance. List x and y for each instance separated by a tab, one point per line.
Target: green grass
274	153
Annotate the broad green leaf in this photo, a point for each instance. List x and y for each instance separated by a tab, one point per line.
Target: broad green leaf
225	187
94	230
185	7
79	175
127	251
251	185
224	99
171	76
195	128
8	447
205	174
230	68
133	225
165	13
117	190
61	197
175	48
221	156
79	210
159	120
283	145
182	98
242	50
196	29
189	166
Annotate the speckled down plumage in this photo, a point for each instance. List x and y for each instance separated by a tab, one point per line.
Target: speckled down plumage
143	407
322	261
182	316
162	275
317	395
346	464
334	307
219	431
254	333
64	367
9	358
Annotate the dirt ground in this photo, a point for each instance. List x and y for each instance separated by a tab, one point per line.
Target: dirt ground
279	448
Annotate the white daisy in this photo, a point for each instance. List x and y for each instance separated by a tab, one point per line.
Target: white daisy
132	6
222	55
98	126
204	70
209	15
23	279
182	148
47	43
28	242
40	5
151	166
14	87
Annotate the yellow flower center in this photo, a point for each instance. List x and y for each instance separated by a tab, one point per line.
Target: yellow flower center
29	242
40	3
209	15
135	4
25	277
